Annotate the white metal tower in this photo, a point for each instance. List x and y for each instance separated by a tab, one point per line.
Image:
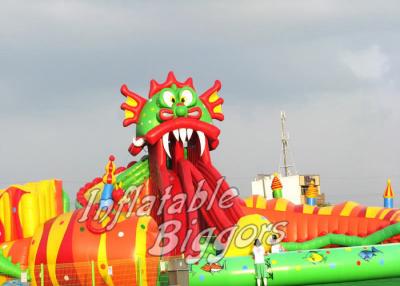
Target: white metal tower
287	166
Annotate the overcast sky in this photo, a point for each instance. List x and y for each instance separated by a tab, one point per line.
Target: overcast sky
333	66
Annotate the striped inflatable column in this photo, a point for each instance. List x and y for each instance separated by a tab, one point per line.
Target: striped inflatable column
311	194
388	195
109	181
276	187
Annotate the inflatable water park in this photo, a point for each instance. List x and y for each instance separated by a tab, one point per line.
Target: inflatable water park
169	217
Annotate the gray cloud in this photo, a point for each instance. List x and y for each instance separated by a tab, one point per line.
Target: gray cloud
62	64
370	63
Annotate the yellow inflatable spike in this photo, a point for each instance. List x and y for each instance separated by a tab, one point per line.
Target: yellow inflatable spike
109	176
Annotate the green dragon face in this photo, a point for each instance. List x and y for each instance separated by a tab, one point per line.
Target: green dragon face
173	108
170	103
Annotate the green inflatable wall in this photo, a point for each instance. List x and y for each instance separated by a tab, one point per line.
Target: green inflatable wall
303	267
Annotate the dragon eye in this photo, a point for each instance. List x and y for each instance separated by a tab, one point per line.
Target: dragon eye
186	97
168	98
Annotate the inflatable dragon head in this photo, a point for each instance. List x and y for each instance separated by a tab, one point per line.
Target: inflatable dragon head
173	113
176	125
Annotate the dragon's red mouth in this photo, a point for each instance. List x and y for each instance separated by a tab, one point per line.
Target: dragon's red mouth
185	131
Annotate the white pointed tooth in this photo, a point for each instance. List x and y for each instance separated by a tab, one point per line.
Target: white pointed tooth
189	133
176	134
165	140
182	133
202	139
138	142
